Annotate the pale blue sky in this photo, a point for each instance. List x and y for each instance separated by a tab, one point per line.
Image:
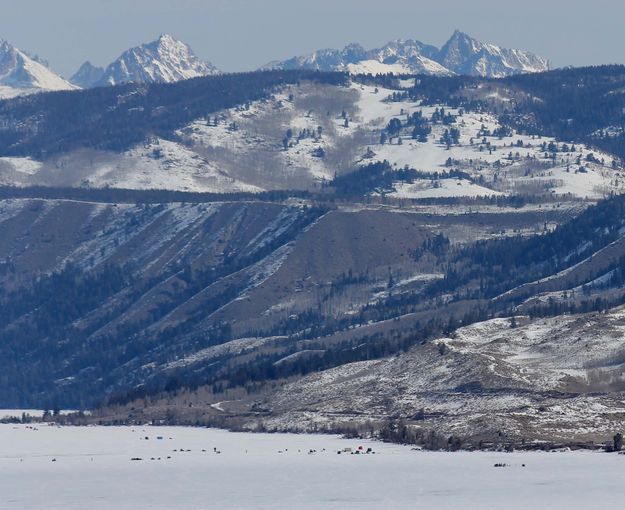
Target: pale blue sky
244	34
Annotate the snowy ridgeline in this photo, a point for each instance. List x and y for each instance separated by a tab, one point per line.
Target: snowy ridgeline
461	54
192	468
303	136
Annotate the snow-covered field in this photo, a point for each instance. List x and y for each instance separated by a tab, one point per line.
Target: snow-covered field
91	467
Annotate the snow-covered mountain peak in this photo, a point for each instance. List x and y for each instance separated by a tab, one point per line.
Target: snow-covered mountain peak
462	54
457	49
87	75
166	45
460	44
399	56
164	60
21	73
324	60
408	47
167	39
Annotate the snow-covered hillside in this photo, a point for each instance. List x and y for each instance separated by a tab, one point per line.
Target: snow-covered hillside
500	160
156	164
555	377
420	65
303	136
462	54
163	60
22	74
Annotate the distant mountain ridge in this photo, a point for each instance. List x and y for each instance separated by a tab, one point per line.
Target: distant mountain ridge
87	75
21	72
164	60
168	60
461	54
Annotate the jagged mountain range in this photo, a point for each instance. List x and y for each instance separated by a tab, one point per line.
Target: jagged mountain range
168	60
164	60
461	54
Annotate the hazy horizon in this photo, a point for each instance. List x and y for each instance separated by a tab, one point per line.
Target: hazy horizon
238	35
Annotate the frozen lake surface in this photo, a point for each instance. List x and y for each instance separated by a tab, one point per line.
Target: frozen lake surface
93	469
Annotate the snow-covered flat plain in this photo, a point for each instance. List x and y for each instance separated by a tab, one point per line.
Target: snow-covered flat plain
93	469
